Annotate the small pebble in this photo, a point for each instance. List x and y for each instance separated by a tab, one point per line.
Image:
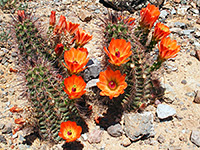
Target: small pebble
184	82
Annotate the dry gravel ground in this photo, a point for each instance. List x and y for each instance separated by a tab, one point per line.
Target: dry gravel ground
173	134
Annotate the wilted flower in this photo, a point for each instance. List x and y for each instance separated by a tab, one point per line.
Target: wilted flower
168	49
127	20
21	15
69	131
82	38
74	86
52	20
149	15
15	109
160	32
75	60
112	83
61	25
20	121
59	49
70	27
119	51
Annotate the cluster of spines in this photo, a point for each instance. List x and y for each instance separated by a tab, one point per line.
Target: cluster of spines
30	42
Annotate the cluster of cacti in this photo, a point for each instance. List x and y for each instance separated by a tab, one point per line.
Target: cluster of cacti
140	89
55	100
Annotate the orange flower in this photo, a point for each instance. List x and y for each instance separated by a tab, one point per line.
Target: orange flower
149	15
15	109
83	50
59	49
119	51
69	131
71	27
168	49
75	60
112	83
160	32
52	20
21	15
82	37
61	25
74	86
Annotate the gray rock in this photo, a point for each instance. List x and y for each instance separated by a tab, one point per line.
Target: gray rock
182	10
3	139
7	130
197	97
197	34
84	137
1	72
164	111
161	139
195	137
95	136
180	25
186	32
184	82
190	94
138	125
125	142
163	14
5	50
196	11
173	11
115	130
2	126
93	69
11	91
197	45
92	83
175	30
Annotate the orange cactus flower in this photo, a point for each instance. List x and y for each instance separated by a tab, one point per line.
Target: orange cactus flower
70	27
119	51
15	109
21	15
52	20
83	50
61	25
149	15
160	32
69	131
74	86
59	49
82	37
168	49
75	60
112	83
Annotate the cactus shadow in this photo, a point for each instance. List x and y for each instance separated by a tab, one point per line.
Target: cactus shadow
113	114
73	146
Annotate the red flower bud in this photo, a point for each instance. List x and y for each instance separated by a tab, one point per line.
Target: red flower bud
52	20
21	15
59	49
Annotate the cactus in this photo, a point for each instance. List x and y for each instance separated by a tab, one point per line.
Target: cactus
50	103
138	72
44	86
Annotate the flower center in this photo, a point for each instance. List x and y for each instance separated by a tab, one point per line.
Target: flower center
117	53
74	88
69	132
169	46
112	84
75	62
